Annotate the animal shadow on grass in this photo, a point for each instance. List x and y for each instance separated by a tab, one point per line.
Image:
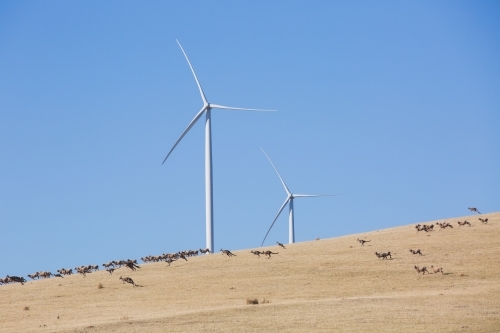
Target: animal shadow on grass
392	258
447	273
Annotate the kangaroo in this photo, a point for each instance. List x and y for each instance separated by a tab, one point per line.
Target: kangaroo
383	255
268	253
474	209
464	223
483	220
416	251
421	270
444	225
132	265
257	253
108	265
21	280
283	246
424	227
362	241
128	280
170	260
227	252
437	270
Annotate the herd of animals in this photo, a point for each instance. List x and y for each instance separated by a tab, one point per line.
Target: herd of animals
171	257
427	228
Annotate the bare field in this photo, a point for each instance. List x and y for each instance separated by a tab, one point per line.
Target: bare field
324	286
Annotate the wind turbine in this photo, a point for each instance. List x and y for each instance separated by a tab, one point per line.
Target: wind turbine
206	109
289	200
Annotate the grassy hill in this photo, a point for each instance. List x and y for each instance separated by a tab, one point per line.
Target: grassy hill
324	285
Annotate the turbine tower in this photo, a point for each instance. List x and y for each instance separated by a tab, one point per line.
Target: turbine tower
289	200
206	109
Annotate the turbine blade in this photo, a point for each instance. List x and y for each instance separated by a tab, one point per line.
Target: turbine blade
233	108
316	195
195	119
282	181
195	77
279	212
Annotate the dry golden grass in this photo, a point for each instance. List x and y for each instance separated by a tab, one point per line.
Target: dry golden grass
326	285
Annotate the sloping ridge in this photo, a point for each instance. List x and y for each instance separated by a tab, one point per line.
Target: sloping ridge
326	285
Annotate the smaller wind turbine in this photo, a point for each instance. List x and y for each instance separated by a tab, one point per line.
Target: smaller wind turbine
289	200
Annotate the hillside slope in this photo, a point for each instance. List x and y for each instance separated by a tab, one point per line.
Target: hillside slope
326	285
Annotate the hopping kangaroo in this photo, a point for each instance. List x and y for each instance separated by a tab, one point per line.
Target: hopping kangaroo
280	244
257	253
362	241
383	255
227	252
128	280
464	223
268	253
474	209
421	270
416	251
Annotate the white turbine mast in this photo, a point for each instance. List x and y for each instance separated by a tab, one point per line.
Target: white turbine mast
206	109
289	200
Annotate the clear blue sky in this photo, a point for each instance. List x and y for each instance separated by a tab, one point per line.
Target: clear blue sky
396	104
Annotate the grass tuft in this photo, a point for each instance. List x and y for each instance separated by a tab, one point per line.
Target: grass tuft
100	286
26	308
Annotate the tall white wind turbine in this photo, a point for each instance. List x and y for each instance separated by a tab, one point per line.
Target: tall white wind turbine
206	109
289	200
